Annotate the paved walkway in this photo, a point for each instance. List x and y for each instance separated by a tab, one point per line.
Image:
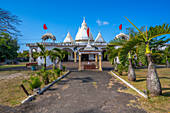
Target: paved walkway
81	92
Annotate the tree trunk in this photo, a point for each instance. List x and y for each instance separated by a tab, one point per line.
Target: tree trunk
60	65
131	72
45	63
167	63
153	82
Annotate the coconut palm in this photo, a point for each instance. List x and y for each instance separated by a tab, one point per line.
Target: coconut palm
43	53
113	53
61	56
153	82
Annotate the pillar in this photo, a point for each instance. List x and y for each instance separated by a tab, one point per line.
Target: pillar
79	62
96	60
30	57
100	62
75	57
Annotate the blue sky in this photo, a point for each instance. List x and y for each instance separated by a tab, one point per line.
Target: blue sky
63	15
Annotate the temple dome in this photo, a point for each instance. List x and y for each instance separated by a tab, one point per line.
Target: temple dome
47	36
81	36
99	38
122	35
68	38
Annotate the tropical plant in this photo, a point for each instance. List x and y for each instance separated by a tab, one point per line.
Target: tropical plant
61	56
153	82
114	48
53	56
43	53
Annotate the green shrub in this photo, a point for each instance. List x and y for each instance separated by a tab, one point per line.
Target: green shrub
34	82
120	69
58	72
64	67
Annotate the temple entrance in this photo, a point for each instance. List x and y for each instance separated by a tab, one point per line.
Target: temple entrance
66	58
104	58
85	57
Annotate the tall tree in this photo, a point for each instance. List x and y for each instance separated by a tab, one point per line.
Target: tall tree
153	82
9	23
8	47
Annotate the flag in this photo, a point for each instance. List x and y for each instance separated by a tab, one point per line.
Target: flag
44	27
120	27
88	31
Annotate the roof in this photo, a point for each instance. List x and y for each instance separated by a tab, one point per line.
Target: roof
68	38
99	38
88	46
122	35
47	36
82	33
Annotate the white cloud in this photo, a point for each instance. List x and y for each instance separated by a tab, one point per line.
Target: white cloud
105	23
99	22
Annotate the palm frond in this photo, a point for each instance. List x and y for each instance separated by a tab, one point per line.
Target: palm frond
158	31
135	26
126	48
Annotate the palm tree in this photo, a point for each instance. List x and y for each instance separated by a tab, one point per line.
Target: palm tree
113	53
43	53
61	56
153	82
53	55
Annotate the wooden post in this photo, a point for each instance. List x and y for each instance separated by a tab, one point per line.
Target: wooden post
22	86
100	62
75	57
79	62
96	61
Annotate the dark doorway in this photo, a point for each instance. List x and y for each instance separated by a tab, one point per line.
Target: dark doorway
85	57
104	58
66	58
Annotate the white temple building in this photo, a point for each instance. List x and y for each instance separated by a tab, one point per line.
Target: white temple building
75	47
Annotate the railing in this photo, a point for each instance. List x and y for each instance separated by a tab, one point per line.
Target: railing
63	44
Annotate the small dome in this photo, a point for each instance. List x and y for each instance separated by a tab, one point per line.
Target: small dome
68	38
99	38
122	35
47	36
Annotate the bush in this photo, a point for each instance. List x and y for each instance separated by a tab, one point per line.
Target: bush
64	67
34	82
120	69
58	72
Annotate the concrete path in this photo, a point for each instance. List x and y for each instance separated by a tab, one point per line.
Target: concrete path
81	92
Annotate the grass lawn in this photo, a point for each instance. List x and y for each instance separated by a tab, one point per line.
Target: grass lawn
11	93
2	66
153	104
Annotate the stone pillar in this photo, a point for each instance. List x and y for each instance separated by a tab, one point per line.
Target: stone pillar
75	57
30	58
96	60
79	62
100	62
